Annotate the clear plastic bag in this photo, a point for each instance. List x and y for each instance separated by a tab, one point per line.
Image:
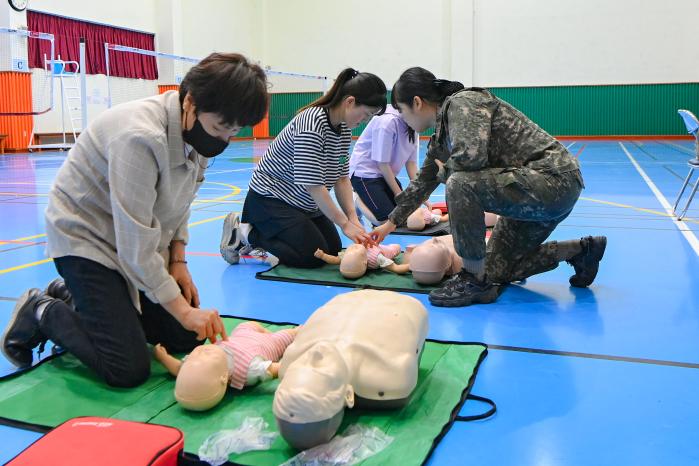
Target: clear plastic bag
356	444
251	435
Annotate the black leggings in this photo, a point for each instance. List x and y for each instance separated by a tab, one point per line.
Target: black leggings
105	331
295	245
289	233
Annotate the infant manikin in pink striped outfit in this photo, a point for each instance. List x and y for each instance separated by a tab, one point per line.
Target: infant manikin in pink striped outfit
357	258
249	355
422	218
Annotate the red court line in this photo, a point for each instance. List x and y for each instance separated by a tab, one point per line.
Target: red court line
582	148
14	241
196	253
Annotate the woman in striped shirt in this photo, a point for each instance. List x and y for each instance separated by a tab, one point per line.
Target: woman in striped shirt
288	211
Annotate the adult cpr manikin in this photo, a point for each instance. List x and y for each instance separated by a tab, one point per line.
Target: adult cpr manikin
360	349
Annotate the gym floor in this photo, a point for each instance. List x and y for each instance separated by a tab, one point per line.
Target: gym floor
600	376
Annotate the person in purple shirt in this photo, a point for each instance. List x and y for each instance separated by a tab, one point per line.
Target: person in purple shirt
386	145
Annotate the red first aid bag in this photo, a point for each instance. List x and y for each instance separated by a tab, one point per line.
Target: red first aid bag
105	442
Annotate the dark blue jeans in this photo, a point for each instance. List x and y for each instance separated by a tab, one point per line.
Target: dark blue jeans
105	331
376	195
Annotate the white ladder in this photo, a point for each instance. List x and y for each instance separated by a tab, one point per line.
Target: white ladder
70	102
70	91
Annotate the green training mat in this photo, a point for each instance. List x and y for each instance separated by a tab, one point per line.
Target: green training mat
61	388
329	274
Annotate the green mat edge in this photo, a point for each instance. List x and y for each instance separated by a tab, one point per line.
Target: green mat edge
365	286
194	459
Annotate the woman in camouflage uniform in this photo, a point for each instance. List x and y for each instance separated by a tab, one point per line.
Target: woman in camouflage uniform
491	158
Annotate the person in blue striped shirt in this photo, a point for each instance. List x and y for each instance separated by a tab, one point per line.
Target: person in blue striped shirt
288	212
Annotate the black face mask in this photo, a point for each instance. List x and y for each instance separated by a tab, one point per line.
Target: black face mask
204	143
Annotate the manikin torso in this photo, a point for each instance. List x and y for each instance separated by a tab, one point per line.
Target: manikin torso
366	342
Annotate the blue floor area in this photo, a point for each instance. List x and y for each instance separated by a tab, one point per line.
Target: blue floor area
577	405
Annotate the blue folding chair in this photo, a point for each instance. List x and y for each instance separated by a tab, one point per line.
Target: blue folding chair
692	124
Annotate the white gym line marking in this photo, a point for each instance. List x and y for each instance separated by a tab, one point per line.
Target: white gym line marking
683	227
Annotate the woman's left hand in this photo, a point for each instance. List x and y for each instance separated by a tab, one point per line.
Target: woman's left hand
180	273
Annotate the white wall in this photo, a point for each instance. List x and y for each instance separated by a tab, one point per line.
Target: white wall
564	42
219	26
479	42
380	36
489	42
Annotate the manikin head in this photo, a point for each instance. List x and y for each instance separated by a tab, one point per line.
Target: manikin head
430	261
310	400
354	261
203	378
456	262
416	220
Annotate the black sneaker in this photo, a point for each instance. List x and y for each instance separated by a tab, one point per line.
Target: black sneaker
463	290
22	333
57	289
586	263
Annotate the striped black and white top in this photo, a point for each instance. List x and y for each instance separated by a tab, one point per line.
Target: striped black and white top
308	152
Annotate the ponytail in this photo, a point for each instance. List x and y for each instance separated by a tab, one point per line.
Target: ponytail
447	88
419	82
411	134
366	88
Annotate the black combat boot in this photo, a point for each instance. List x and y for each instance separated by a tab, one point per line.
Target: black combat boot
22	333
586	263
463	289
58	289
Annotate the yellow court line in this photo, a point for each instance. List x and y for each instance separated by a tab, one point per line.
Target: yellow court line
234	191
24	266
207	220
211	201
43	261
23	194
639	209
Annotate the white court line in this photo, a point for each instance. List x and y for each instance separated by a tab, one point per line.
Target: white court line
229	171
684	229
571	145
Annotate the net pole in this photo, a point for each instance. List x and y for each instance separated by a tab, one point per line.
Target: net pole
83	87
109	87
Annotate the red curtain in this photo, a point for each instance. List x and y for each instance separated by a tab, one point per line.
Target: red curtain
67	33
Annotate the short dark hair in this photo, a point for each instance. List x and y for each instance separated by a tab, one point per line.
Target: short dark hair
419	82
366	88
229	85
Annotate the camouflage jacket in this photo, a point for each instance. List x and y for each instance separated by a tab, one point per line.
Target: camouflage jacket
476	130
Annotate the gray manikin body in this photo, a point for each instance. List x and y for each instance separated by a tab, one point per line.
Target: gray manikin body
366	343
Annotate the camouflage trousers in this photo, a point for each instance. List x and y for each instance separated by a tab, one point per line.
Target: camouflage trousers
530	204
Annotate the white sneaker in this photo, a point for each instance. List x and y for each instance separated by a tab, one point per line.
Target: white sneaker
259	254
232	240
